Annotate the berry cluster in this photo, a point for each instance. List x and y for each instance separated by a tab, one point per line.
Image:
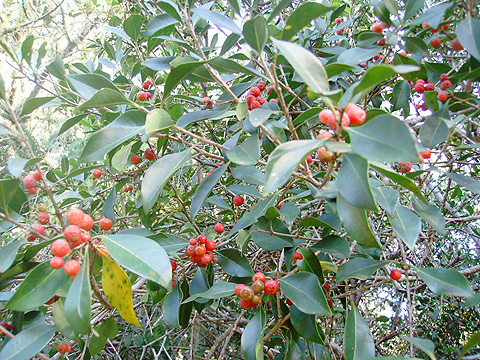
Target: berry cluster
30	181
200	250
421	86
251	296
352	115
254	100
145	95
323	155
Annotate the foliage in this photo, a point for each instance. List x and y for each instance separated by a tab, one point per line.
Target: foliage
161	133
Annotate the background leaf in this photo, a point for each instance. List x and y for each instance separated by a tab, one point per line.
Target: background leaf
445	281
27	343
252	337
255	33
358	341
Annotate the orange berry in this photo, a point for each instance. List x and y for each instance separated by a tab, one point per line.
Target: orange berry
105	224
71	267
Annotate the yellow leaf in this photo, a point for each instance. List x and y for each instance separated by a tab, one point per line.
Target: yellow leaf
326	265
118	290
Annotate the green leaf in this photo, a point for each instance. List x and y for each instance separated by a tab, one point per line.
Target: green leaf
116	31
2	88
445	281
170	243
416	46
170	8
142	256
433	15
306	325
230	66
238	189
401	95
281	5
57	68
255	33
427	346
359	268
6	193
28	342
407	225
285	159
384	139
121	159
467	32
26	49
357	55
353	182
61	320
171	307
250	174
205	188
289	212
17	165
158	23
472	301
103	98
250	218
252	337
123	128
355	222
88	84
433	131
34	103
310	264
305	291
358	340
260	115
465	181
132	26
334	245
334	69
302	16
307	65
157	176
159	63
387	198
157	120
234	263
106	329
178	73
8	253
70	123
247	153
78	301
39	286
373	77
431	214
399	179
412	8
217	19
473	341
219	290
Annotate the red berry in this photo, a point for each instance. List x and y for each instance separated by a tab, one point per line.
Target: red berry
202	239
381	42
261	85
71	267
429	86
446	26
436	42
75	216
456	45
255	105
43	218
338	21
190	250
289	302
377	27
297	256
135	159
258	276
200	250
269	89
255	91
420	81
141	96
37	175
70	349
356	115
395	274
60	248
32	191
174	265
6	326
206	99
425	25
274	101
419	87
62	348
271	287
238	288
443	77
205	260
97	173
245	304
309	159
238	200
149	154
56	262
193	241
29	182
72	233
426	154
85	237
149	95
261	100
247	293
145	85
446	84
210	245
219	228
39	228
404	167
325	115
442	96
105	224
250	99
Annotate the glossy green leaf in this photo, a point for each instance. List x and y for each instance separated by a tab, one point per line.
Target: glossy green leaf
121	129
250	218
433	131
355	56
157	120
219	290
302	16
412	8
178	73
116	31
358	341
140	255
159	23
472	301
255	33
2	88
39	286
289	212
252	337
433	15
88	84
431	214
468	33
427	346
217	19
306	325
355	222
6	193
67	125
192	117
465	181
170	8
205	188
78	302
159	63
401	95
17	165
28	342
387	197
285	159
472	341
384	139
234	263
399	179
250	174
310	264
104	98
132	26
445	281
171	307
26	48
61	320
170	243
106	329
238	189
246	153
121	159
353	182
415	46
8	253
260	115
373	77
333	245
157	176
264	239
34	103
306	64
305	291
407	225
359	268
